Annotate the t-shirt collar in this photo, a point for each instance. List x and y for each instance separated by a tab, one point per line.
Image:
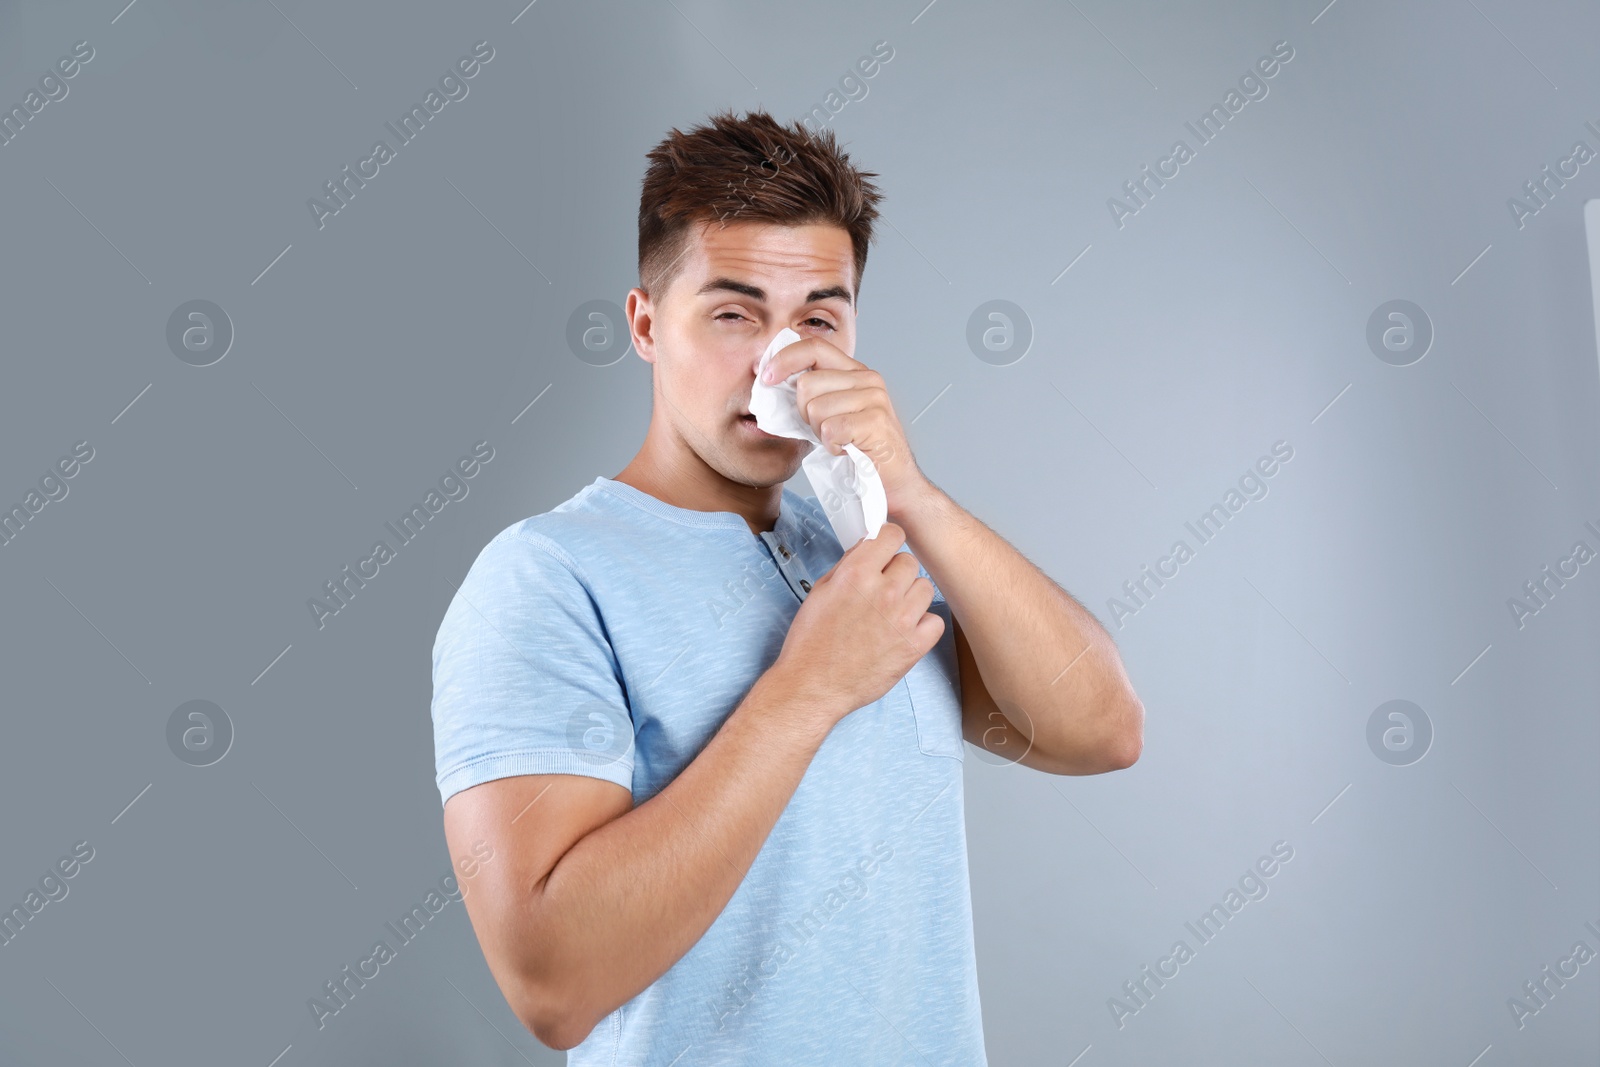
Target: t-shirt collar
787	527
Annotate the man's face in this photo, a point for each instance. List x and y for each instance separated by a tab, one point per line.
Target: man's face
737	285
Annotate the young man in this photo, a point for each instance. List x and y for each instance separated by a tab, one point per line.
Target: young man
720	772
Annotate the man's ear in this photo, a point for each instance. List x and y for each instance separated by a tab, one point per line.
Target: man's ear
641	323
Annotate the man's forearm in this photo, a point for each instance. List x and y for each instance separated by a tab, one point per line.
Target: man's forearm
1036	647
630	898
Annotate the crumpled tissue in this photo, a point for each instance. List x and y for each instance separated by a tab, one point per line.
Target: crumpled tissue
847	485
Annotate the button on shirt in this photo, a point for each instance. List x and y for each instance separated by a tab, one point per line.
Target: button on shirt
611	637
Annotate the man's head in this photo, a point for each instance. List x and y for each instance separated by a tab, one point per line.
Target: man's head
745	227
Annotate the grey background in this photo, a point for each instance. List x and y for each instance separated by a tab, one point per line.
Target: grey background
1229	314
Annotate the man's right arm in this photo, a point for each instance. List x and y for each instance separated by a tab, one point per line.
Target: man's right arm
596	899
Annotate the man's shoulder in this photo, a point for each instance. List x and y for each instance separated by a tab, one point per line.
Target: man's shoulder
597	529
559	532
538	558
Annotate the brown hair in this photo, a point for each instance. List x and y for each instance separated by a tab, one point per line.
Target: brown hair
753	170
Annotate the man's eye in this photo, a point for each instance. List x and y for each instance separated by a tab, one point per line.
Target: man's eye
820	322
725	314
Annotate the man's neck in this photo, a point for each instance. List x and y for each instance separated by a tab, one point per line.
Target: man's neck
699	488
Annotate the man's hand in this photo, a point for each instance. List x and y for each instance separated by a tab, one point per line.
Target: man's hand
845	401
862	626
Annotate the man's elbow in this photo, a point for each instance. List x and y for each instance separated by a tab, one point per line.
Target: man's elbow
554	1030
1124	752
554	1022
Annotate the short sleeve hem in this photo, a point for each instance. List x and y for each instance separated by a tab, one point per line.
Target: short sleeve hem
540	761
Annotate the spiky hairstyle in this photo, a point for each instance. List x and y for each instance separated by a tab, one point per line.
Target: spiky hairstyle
750	169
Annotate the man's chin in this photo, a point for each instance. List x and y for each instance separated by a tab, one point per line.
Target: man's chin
766	462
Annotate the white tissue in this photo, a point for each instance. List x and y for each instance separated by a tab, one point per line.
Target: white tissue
847	485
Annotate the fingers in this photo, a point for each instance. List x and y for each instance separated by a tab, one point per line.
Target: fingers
902	570
867	558
881	556
812	387
919	593
909	595
808	353
929	629
823	398
874	552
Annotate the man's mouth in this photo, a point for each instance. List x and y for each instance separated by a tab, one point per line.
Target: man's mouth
749	422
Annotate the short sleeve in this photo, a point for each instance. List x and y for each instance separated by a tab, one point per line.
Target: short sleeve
525	680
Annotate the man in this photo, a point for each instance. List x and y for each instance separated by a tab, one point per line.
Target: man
721	774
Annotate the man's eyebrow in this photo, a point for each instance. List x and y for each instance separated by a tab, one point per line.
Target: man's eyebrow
757	293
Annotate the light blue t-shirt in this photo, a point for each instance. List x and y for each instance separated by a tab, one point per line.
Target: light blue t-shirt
611	637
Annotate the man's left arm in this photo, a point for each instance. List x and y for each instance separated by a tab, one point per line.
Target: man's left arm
1042	682
1039	674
